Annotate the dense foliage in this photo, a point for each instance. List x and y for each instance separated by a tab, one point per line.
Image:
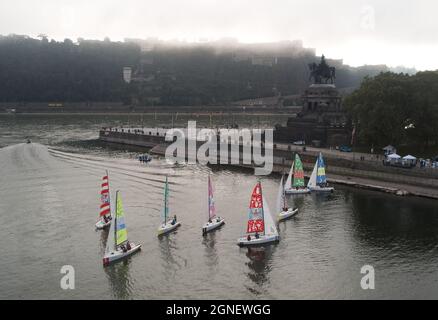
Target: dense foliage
396	109
39	70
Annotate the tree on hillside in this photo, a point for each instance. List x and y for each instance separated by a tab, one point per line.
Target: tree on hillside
424	117
396	109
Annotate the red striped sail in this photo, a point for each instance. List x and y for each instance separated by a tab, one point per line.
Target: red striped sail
255	217
105	208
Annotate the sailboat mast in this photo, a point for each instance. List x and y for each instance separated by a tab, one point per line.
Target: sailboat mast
165	200
115	221
109	191
295	167
208	198
284	196
317	163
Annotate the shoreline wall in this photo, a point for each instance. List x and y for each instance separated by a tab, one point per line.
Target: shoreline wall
117	108
420	182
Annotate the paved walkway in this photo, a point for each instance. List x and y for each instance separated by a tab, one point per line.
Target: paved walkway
353	156
391	187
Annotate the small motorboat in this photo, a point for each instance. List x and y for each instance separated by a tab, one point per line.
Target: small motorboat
28	141
144	158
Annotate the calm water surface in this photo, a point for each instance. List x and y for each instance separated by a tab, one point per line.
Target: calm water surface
49	204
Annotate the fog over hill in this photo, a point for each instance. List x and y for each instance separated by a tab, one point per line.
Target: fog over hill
159	72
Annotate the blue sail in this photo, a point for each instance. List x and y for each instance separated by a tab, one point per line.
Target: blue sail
320	174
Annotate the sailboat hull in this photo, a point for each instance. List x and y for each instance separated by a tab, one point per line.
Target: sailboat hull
210	226
101	224
321	189
264	239
297	191
287	214
168	227
117	255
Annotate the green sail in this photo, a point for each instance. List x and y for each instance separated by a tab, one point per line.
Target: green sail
121	232
298	173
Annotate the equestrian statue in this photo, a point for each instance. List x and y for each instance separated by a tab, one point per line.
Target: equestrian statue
322	72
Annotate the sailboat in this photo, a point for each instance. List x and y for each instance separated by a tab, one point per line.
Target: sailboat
167	224
118	246
318	179
295	179
260	223
105	204
283	211
213	220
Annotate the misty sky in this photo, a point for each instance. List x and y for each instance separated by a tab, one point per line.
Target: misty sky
393	32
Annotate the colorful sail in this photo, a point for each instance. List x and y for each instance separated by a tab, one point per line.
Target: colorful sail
211	207
166	201
320	175
121	232
105	207
255	216
298	173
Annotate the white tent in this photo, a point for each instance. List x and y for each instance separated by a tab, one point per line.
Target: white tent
393	156
410	160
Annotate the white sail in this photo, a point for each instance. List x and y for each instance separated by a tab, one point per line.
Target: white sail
288	184
312	180
270	227
280	197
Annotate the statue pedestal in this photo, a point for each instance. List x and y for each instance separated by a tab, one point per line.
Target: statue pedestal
321	121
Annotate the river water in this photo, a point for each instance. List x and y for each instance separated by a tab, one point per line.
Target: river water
49	203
